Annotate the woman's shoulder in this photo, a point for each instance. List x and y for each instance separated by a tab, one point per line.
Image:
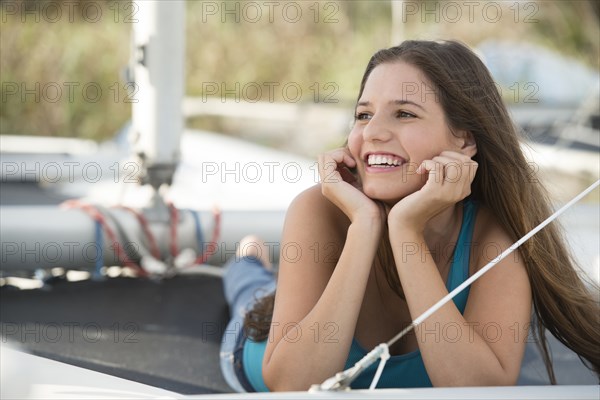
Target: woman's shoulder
311	204
487	224
490	238
311	208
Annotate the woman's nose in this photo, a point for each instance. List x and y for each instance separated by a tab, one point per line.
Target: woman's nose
377	130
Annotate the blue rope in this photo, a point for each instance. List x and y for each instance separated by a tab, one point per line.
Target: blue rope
100	254
199	237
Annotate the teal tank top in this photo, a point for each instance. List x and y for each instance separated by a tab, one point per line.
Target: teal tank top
405	370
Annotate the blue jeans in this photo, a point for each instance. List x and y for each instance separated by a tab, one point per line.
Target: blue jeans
245	281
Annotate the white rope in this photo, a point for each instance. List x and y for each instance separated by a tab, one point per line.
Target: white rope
384	357
491	264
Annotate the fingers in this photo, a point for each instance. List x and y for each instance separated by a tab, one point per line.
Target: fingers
331	162
448	178
450	169
342	188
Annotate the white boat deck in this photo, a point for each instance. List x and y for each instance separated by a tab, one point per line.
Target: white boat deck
32	377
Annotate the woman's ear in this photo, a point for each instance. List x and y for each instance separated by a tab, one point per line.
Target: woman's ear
467	144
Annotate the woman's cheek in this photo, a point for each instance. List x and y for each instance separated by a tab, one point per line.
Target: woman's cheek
354	142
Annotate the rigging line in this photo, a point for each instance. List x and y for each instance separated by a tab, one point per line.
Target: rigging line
205	253
490	265
95	213
198	229
99	249
174	221
143	221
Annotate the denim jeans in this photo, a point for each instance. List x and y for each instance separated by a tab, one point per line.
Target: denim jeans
245	280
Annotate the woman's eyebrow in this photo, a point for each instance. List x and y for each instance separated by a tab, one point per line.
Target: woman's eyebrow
397	102
404	102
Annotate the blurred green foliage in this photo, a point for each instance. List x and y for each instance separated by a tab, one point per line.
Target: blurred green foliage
61	74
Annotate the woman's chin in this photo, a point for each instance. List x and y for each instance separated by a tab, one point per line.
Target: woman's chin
387	196
390	192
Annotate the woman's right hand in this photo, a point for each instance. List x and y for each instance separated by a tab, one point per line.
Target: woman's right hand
340	186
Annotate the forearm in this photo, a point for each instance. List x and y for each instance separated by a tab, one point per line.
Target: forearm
453	351
327	330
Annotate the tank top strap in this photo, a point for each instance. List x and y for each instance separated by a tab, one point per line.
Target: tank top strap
459	271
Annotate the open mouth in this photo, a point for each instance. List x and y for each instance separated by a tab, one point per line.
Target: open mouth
384	161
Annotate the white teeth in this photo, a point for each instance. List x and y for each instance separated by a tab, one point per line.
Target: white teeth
383	160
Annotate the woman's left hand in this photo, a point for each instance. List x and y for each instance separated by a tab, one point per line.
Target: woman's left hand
449	178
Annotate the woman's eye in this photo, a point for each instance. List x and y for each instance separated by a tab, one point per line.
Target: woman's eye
362	116
404	114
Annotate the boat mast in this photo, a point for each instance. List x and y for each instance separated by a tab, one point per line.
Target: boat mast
158	70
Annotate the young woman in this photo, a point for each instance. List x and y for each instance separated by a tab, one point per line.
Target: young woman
431	186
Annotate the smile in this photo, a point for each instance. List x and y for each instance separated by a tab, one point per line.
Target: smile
376	160
383	162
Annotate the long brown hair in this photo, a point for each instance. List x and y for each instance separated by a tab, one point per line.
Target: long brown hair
471	102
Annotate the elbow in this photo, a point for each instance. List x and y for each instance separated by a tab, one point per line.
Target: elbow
504	375
278	381
268	378
280	385
478	375
271	381
277	376
499	380
509	378
493	378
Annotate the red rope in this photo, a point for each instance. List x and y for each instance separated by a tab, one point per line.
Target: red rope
146	228
96	215
174	214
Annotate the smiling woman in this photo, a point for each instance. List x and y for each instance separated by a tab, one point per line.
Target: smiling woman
431	178
401	132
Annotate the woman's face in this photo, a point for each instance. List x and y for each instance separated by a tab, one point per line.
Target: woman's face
399	123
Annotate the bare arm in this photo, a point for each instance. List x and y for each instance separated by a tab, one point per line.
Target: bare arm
486	345
317	302
319	294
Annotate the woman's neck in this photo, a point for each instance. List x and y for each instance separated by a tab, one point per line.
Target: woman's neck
441	232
